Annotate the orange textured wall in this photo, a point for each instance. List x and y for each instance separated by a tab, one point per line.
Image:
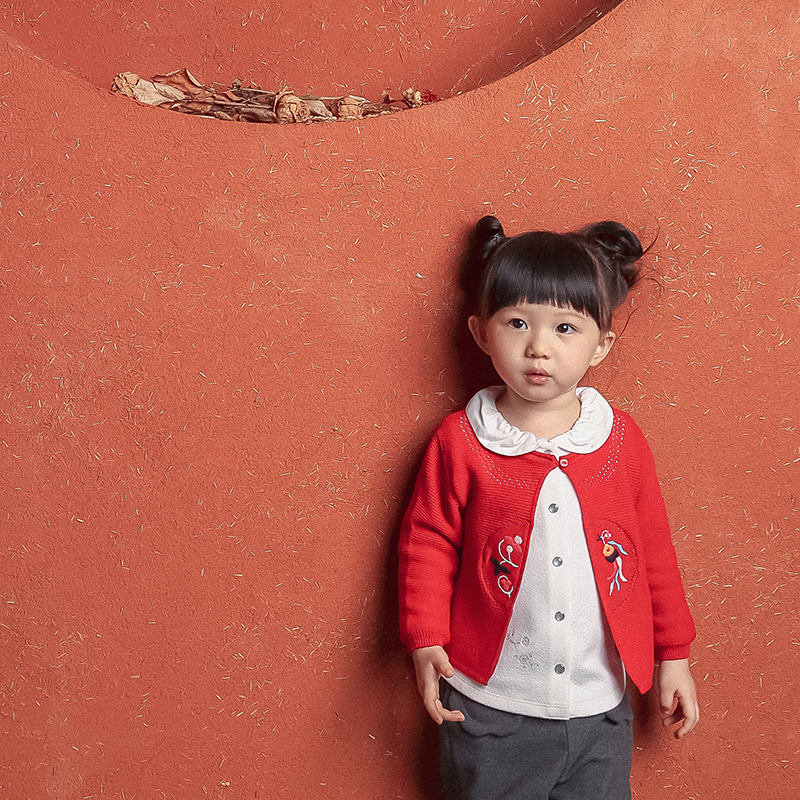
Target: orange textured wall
317	46
223	347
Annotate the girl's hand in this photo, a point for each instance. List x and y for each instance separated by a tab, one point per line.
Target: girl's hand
678	696
430	664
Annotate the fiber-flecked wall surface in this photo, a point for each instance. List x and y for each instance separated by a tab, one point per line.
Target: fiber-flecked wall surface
223	349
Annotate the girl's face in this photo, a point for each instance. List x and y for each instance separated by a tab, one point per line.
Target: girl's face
541	352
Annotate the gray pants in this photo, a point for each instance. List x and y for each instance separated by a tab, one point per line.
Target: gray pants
494	755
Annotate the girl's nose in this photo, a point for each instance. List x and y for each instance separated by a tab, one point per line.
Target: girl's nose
537	345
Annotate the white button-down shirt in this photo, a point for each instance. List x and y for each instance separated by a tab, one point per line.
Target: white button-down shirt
559	659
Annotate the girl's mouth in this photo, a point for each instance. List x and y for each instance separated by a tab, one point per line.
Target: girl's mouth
537	376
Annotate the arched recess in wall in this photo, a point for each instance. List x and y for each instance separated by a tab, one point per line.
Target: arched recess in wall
318	46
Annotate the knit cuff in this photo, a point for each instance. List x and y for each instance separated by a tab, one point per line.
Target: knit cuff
413	640
672	652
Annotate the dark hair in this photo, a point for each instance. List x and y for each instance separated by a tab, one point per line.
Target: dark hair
590	270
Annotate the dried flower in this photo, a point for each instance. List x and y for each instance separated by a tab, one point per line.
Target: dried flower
412	97
290	108
348	107
181	91
416	98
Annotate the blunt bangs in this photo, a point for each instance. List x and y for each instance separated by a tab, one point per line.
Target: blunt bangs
544	268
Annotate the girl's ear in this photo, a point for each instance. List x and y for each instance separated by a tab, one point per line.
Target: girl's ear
607	339
477	327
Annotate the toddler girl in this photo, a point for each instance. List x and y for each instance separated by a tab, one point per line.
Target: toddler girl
537	573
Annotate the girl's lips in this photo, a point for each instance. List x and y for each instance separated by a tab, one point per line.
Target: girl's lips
537	376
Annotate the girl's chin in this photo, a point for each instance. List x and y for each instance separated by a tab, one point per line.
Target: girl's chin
540	394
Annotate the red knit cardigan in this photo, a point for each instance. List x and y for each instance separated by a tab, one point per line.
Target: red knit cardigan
468	501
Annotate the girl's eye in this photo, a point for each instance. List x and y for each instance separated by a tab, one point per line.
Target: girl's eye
565	327
519	324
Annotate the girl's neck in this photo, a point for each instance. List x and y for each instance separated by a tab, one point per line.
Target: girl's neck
543	420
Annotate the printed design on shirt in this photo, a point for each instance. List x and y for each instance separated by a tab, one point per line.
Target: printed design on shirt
520	646
506	563
613	552
527	661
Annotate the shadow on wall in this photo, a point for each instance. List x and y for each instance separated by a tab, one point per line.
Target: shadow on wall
308	47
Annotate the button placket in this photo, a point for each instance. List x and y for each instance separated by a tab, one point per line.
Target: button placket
559	598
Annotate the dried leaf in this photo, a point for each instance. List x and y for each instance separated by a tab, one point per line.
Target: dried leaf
250	114
257	95
125	83
193	107
181	79
390	97
156	94
378	109
182	92
317	107
185	82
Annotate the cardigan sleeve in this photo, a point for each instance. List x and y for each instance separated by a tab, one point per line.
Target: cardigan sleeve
673	627
430	552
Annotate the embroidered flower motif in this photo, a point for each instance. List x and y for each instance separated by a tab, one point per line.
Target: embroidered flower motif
613	552
510	551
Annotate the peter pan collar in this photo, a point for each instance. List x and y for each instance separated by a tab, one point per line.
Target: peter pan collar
589	432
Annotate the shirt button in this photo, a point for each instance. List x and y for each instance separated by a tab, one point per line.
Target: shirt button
552	508
559	616
563	462
560	669
558	561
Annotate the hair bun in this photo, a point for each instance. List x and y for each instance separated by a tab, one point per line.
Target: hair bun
488	234
485	239
489	226
615	240
617	247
